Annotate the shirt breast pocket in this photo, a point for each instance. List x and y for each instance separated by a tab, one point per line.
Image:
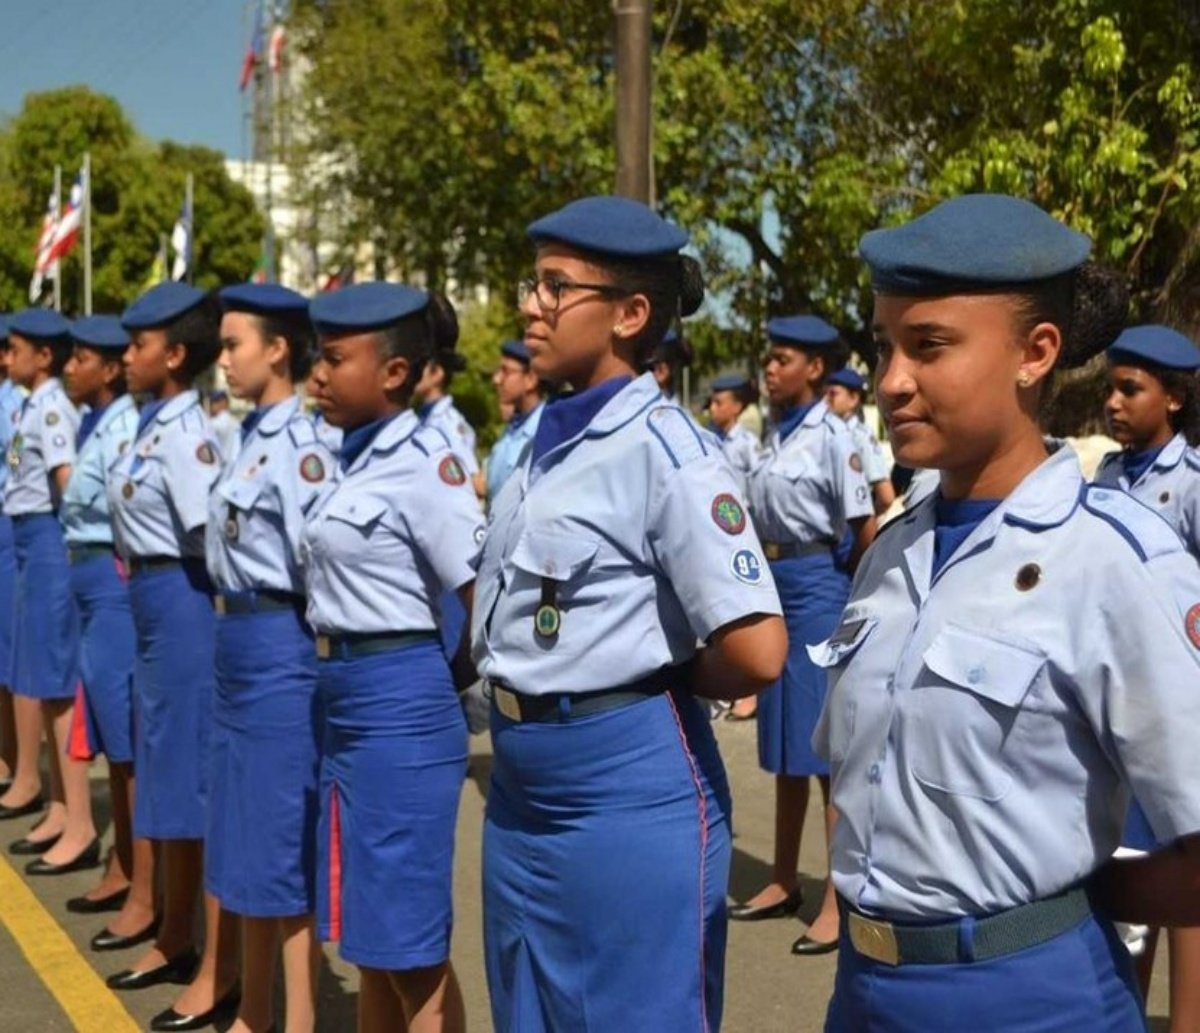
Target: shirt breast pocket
241	493
835	655
351	527
553	567
964	709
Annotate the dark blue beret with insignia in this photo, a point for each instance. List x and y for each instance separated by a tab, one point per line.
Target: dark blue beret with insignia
364	306
848	377
515	350
161	305
730	382
262	299
39	324
804	331
610	226
973	243
1159	345
102	332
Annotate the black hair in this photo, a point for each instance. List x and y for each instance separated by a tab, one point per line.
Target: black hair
1088	305
60	351
109	355
674	285
199	331
296	328
429	335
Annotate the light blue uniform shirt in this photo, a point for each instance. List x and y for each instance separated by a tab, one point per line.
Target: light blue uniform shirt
875	467
809	485
256	510
45	440
637	523
984	730
158	490
331	436
84	513
11	400
1171	487
506	453
743	451
391	534
446	418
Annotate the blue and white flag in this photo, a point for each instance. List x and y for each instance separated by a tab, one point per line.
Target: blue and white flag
181	242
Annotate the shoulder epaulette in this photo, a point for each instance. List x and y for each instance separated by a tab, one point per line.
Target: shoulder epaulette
1147	533
678	434
430	439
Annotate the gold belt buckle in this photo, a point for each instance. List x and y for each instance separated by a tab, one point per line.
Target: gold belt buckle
324	650
506	702
874	940
771	550
219	605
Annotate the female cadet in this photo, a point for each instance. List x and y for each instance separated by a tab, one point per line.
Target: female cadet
667	361
619	543
844	393
520	391
45	644
727	400
103	704
262	806
436	408
10	413
158	494
1153	411
1017	650
397	528
807	494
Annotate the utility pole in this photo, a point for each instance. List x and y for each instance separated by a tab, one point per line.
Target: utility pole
634	177
87	234
58	210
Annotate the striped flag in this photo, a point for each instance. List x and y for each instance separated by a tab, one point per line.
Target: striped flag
43	263
254	52
67	230
181	242
275	48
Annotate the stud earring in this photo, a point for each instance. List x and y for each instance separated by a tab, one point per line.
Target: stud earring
1023	379
619	329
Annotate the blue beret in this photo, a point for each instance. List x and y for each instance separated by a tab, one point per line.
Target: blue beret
978	242
102	332
610	226
3	328
262	299
805	331
515	350
1159	345
848	377
39	324
161	305
730	382
364	306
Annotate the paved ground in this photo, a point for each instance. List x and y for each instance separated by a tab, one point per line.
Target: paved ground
768	991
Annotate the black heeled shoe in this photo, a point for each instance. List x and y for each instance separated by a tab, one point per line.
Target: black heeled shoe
25	847
90	906
809	948
178	970
24	810
225	1008
88	857
781	909
106	940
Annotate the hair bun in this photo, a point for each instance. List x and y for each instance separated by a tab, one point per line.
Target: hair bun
1098	313
443	326
691	285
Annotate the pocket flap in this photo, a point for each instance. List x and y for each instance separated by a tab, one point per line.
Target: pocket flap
240	491
556	556
1000	670
358	512
843	643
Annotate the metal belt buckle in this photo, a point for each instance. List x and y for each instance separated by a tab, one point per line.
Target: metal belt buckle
219	605
324	647
874	940
506	702
771	550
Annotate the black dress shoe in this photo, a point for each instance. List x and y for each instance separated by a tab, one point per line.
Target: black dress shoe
178	970
93	906
807	948
783	909
88	857
33	807
225	1008
106	940
25	846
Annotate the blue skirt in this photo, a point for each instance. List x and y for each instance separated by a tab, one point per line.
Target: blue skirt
174	682
8	596
46	639
606	853
261	840
813	592
107	647
392	766
1079	982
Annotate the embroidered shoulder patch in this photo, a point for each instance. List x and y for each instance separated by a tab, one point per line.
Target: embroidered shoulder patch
450	470
727	514
312	469
1192	623
746	566
205	454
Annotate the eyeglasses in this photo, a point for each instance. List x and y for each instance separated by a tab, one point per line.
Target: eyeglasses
548	290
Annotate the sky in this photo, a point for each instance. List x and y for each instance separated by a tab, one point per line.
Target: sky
172	64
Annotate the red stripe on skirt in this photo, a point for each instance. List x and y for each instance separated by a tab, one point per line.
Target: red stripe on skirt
335	867
78	747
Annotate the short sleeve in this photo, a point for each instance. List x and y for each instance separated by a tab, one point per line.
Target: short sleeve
703	541
448	525
313	466
192	468
850	489
57	427
875	467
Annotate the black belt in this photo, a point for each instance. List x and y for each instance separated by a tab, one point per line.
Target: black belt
347	647
83	553
991	937
790	550
256	601
145	564
567	706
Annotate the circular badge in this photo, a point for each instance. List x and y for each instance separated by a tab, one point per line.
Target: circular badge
855	462
122	448
727	514
51	419
312	469
480	534
1028	577
746	566
547	621
59	441
205	454
231	529
127	491
450	470
1192	622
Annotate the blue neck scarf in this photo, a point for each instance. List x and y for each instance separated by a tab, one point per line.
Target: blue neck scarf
956	519
792	417
88	423
564	418
253	419
1137	463
424	409
146	416
355	442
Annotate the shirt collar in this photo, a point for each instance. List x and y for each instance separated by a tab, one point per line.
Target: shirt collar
177	406
46	387
277	417
391	436
1172	453
114	409
625	405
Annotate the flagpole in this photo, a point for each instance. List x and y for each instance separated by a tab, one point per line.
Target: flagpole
87	234
57	263
191	214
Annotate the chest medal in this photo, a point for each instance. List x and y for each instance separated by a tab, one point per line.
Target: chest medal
548	618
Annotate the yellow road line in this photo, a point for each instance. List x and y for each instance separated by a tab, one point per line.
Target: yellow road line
90	1005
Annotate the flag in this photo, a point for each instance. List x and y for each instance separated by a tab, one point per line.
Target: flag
254	52
67	230
181	241
275	48
43	262
260	268
342	278
158	271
